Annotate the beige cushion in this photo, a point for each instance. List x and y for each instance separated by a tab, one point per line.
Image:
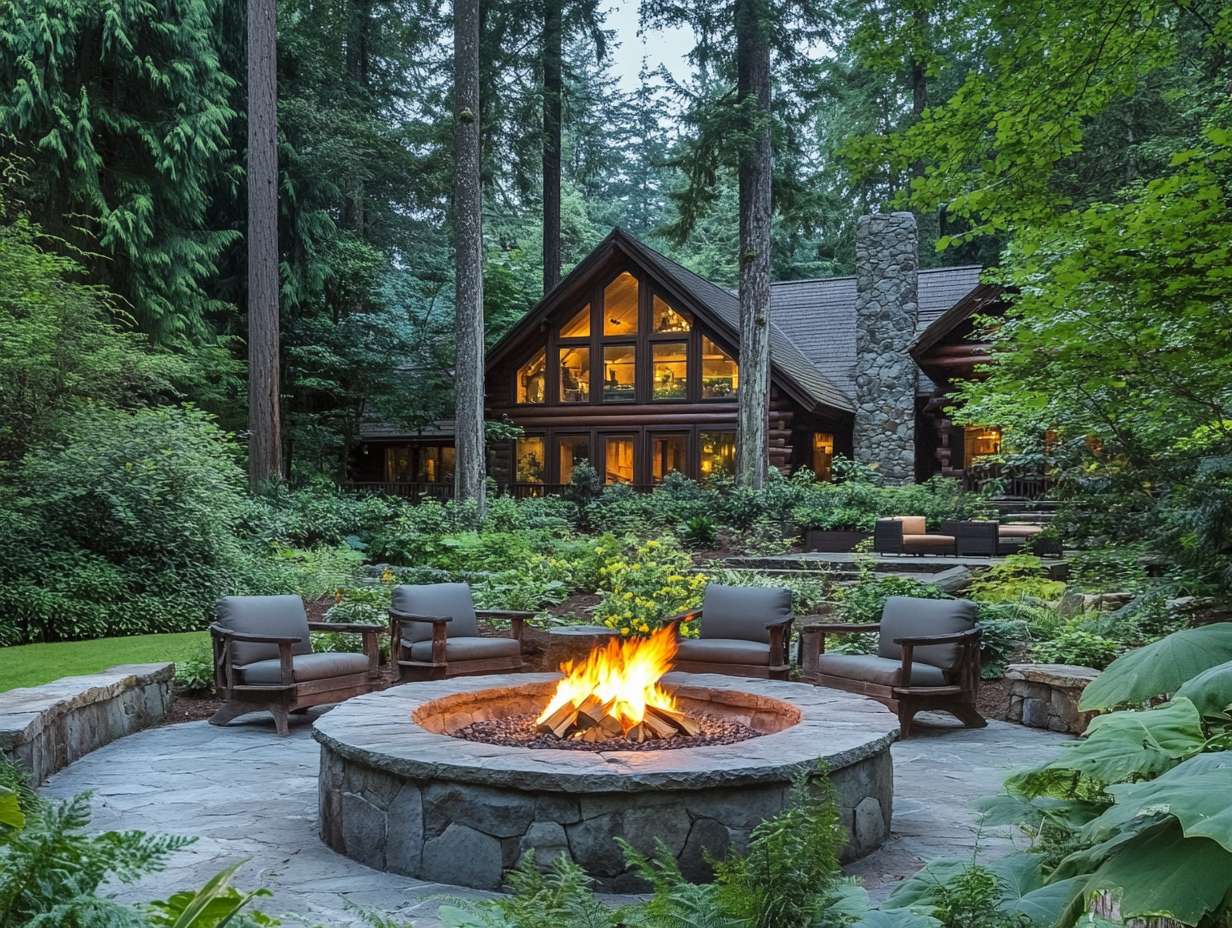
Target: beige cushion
306	667
906	617
881	670
928	541
724	651
468	649
1019	530
452	600
912	525
274	616
742	611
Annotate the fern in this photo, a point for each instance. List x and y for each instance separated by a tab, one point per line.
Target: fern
676	903
50	871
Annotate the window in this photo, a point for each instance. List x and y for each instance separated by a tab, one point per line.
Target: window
574	450
574	375
528	460
671	365
620	306
618	367
979	441
718	453
618	459
667	453
667	319
720	374
823	455
398	464
578	326
532	378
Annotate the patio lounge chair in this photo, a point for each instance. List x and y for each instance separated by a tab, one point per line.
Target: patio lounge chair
263	659
743	631
435	634
928	658
908	535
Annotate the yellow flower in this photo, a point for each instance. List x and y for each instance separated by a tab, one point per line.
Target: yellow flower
624	631
652	544
645	627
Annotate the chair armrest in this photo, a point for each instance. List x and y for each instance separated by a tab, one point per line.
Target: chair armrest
222	632
780	638
786	620
680	618
503	613
953	638
346	627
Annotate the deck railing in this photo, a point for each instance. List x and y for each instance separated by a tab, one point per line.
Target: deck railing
443	491
1006	481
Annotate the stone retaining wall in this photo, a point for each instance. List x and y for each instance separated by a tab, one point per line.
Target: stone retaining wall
45	728
1047	696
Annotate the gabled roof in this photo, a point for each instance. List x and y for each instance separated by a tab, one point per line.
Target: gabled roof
974	301
716	307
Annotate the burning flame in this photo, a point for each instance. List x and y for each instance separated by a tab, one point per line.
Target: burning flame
624	674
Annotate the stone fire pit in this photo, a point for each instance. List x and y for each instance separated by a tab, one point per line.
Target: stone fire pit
398	793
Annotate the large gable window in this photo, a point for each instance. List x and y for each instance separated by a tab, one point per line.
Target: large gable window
532	378
671	366
578	326
720	374
667	319
620	306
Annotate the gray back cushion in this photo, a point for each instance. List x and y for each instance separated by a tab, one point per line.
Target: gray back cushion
443	599
743	611
282	616
905	617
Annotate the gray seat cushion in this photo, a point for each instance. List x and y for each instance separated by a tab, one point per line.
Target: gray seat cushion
870	668
723	651
305	667
442	599
905	617
280	616
468	649
743	611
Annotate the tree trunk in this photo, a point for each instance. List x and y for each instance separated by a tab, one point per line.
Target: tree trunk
468	256
553	38
753	80
264	426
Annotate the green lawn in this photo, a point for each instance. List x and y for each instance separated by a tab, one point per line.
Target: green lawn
32	664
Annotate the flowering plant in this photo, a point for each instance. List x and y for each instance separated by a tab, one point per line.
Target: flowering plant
637	592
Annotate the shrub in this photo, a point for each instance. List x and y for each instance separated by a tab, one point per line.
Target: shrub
865	601
855	506
1076	645
1019	576
195	673
639	591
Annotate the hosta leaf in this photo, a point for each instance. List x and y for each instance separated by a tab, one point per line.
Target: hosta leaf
1011	809
1211	690
1161	873
1161	667
1194	793
896	918
1124	745
918	888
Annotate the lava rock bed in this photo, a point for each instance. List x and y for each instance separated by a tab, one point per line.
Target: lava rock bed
522	731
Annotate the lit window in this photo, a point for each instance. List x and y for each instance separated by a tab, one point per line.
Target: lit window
979	441
667	454
435	464
532	378
620	306
671	362
398	464
529	460
618	372
574	375
618	459
574	450
823	455
718	453
667	319
578	326
720	374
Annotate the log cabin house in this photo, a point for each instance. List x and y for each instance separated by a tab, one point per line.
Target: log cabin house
630	363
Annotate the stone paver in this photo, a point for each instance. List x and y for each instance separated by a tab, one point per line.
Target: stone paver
249	794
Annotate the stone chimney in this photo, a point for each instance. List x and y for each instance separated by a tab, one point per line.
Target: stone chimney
887	307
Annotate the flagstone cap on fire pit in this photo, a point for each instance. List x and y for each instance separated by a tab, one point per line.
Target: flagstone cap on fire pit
377	730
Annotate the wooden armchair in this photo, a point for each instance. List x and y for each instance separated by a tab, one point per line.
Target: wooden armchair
435	634
744	631
928	658
263	659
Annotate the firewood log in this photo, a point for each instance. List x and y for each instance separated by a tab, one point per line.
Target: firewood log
682	722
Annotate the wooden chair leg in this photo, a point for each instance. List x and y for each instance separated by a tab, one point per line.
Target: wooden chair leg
279	711
905	715
969	716
230	710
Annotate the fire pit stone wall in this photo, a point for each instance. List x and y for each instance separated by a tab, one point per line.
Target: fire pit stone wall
397	793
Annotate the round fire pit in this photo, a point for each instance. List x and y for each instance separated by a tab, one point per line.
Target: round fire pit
399	792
